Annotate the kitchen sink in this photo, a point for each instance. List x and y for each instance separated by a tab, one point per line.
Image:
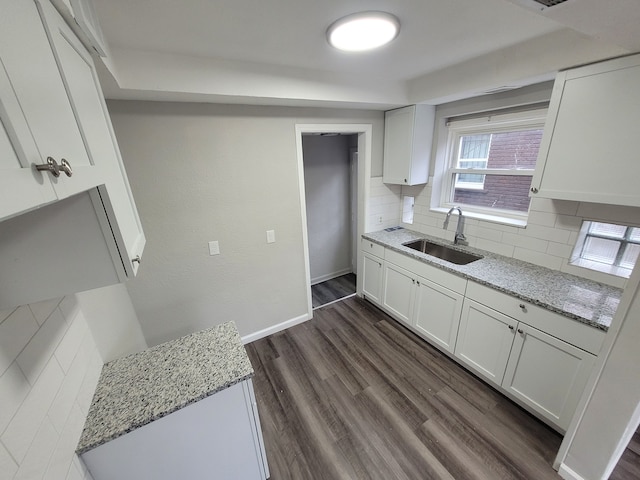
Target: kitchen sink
443	252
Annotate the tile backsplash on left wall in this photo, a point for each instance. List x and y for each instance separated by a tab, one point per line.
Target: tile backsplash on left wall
49	368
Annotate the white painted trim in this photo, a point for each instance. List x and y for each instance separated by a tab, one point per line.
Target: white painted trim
252	337
568	474
329	276
365	141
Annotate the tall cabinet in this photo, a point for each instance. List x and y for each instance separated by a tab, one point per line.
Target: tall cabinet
68	221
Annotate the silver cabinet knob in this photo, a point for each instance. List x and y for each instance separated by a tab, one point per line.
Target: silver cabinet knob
137	260
54	169
534	190
511	327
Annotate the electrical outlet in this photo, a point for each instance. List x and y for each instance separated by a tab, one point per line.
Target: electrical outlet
214	248
380	220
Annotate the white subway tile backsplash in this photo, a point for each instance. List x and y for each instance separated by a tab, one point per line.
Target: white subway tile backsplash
22	429
561	250
69	307
39	453
547	233
523	241
499	248
70	344
14	388
4	314
488	234
62	459
569	222
35	356
42	310
545	219
15	333
8	466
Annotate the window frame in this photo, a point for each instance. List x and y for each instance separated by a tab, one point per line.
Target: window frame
486	124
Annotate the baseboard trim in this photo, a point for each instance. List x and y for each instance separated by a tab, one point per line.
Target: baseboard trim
329	276
568	474
252	337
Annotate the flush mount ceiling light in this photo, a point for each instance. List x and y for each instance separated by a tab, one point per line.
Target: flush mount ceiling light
363	31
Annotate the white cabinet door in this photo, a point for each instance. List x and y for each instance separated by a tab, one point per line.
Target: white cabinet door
372	277
408	133
547	374
31	68
588	151
437	313
484	340
21	187
88	103
398	292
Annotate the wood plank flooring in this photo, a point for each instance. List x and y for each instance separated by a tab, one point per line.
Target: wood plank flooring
332	290
353	395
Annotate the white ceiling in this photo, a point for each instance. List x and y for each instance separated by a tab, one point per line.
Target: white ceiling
275	52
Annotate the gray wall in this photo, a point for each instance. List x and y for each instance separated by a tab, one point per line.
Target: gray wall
202	172
328	198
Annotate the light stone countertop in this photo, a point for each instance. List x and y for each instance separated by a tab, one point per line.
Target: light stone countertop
137	389
584	300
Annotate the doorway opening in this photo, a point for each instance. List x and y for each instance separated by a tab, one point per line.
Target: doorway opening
333	161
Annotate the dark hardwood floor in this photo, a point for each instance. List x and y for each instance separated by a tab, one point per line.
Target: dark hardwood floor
332	290
628	467
353	395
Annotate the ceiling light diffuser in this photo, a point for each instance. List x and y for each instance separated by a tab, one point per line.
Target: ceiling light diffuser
363	31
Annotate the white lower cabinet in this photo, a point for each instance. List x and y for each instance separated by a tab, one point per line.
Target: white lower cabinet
484	340
424	298
540	359
398	292
436	313
541	372
371	277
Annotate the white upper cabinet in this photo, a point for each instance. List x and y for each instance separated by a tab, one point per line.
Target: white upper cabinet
40	93
588	151
58	234
86	97
408	133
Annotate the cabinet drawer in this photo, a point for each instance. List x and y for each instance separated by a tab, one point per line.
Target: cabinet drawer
373	248
571	331
424	270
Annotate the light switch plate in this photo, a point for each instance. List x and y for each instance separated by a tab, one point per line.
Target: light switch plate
271	236
214	248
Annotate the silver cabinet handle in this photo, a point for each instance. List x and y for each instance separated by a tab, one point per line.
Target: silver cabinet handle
137	260
54	169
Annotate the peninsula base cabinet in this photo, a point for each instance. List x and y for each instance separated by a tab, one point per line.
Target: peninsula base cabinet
540	371
217	437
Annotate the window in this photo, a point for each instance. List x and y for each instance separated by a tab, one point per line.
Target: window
607	247
490	163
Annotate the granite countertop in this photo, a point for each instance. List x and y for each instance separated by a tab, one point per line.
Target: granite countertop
140	388
584	300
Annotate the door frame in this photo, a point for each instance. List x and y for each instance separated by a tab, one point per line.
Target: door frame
364	132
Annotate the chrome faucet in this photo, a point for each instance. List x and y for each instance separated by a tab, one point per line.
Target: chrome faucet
459	239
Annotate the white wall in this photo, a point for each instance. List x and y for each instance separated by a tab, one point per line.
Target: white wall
202	172
327	179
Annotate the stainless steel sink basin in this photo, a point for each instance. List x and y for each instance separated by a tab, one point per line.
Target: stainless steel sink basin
443	252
